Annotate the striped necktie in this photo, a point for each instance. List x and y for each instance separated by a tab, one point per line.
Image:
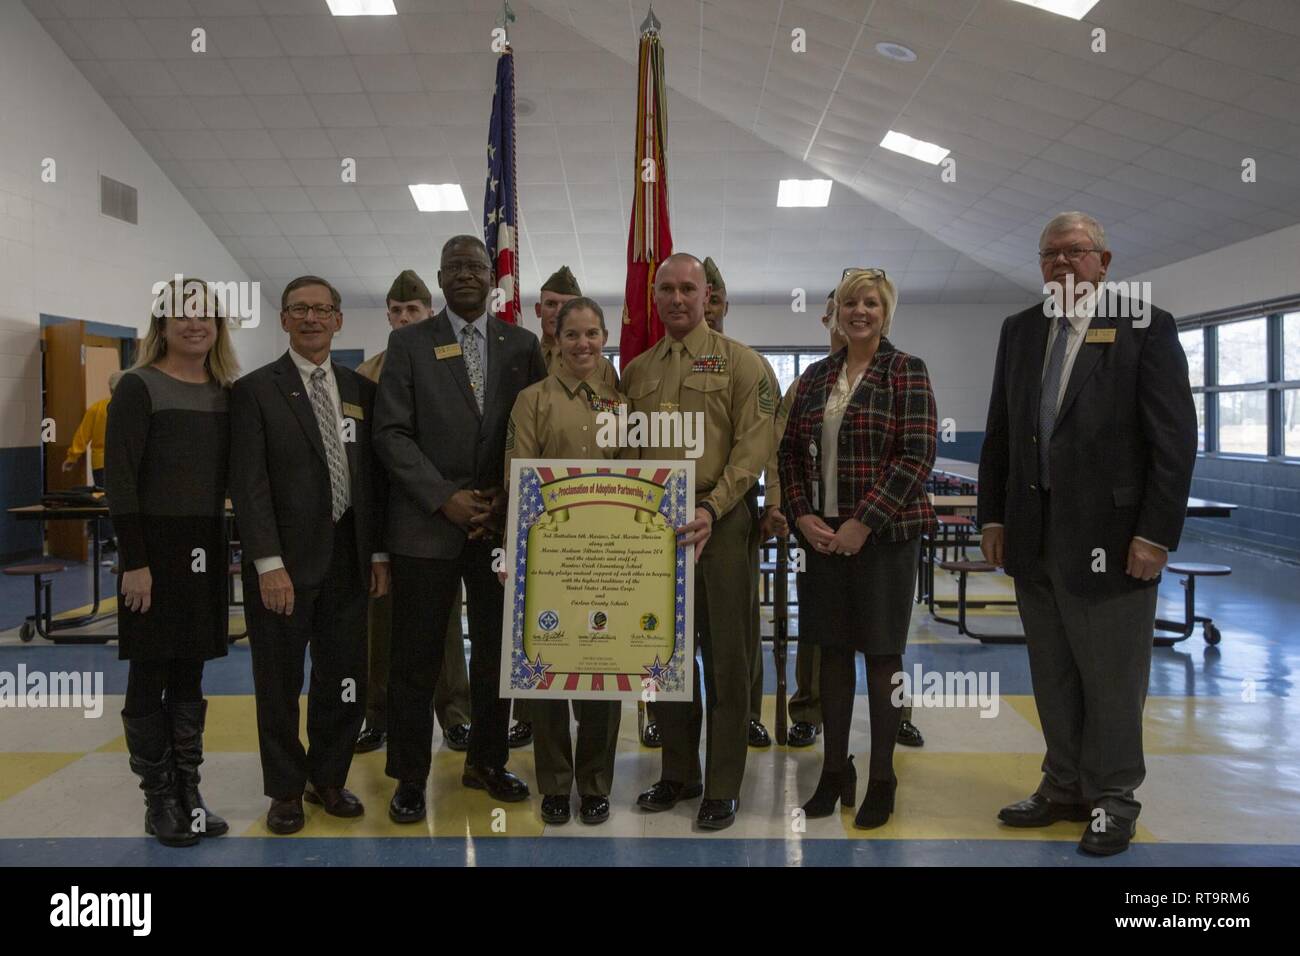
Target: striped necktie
1047	401
327	420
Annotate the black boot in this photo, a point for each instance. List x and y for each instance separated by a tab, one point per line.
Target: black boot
188	719
877	805
834	785
149	743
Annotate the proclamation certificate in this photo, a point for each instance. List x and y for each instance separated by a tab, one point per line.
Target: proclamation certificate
599	596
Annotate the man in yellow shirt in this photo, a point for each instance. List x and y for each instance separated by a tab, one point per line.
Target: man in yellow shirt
90	433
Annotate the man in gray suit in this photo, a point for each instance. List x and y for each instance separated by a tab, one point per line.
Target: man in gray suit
1087	461
441	413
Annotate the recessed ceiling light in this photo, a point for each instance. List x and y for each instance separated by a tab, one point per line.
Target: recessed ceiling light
803	192
440	197
362	8
916	148
1074	9
896	51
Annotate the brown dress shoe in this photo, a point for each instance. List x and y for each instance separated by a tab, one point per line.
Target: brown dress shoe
337	801
285	816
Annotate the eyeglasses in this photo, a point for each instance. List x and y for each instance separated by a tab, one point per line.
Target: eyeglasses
454	266
301	311
871	273
1073	254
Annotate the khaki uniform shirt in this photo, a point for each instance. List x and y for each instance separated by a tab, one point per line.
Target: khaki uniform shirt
724	380
604	367
372	367
554	418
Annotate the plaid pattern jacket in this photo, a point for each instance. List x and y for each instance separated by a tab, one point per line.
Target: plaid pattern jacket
886	444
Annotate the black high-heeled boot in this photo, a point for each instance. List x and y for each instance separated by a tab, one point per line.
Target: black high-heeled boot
834	785
877	805
188	719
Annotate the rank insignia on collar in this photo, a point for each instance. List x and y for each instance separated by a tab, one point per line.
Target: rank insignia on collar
710	363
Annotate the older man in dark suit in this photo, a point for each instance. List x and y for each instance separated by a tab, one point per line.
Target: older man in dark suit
444	402
1083	481
309	497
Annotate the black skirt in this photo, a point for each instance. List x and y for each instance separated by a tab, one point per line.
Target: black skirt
862	601
187	616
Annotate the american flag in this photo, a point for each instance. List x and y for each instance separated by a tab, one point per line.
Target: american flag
500	204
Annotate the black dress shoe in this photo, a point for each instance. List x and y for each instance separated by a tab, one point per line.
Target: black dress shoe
1113	838
758	735
407	805
371	738
1038	811
285	816
909	736
521	734
651	736
457	737
801	734
665	794
717	814
555	809
498	781
877	805
595	809
337	801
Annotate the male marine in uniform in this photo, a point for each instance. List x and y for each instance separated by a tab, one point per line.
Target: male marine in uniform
762	526
694	369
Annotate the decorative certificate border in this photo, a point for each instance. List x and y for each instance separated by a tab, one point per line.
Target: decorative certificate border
534	679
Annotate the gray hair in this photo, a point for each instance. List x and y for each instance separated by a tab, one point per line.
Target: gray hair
1062	222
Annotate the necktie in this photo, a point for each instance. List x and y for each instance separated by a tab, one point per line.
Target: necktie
327	420
585	389
473	363
1047	401
670	395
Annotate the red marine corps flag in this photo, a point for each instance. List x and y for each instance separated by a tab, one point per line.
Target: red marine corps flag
500	205
649	240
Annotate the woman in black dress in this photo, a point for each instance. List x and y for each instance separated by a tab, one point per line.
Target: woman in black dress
166	456
858	447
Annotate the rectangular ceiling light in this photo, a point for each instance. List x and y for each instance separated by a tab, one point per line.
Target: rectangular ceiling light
916	148
1074	9
803	192
439	197
362	8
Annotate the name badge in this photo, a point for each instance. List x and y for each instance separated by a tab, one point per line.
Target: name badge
353	411
447	351
1104	336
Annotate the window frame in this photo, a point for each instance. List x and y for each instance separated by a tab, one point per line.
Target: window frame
1274	386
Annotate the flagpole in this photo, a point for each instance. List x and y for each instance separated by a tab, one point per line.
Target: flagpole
649	235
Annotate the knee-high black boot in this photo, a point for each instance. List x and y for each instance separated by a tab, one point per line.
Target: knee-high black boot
148	741
188	719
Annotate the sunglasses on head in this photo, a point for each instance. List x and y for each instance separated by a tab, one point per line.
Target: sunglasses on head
853	271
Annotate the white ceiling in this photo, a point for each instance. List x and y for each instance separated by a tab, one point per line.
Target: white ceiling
1149	136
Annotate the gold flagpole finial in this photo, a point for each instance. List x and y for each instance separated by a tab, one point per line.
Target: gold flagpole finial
651	23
